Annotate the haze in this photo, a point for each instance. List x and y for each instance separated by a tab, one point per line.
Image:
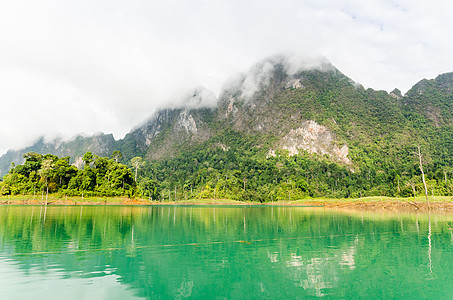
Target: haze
69	67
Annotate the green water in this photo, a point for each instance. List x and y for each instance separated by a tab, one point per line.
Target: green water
222	252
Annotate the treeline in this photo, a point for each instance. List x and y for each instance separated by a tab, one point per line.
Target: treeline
44	174
241	173
246	174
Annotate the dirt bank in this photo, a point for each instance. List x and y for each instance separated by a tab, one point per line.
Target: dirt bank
385	205
390	205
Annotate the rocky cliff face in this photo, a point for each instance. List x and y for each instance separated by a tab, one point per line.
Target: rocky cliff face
315	139
167	131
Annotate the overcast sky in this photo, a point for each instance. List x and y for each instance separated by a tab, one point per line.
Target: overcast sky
84	66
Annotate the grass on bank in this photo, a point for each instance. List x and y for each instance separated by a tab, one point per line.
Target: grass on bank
20	199
12	199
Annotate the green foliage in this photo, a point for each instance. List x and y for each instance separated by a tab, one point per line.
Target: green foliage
137	163
100	176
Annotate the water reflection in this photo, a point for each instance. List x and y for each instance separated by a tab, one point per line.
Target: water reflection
270	252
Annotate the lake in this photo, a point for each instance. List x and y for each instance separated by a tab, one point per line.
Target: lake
168	252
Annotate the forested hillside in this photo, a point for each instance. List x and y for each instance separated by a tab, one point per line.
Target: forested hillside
283	133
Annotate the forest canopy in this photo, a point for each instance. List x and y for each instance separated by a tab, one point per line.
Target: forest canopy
42	174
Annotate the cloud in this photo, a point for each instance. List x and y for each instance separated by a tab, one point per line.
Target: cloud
87	66
261	72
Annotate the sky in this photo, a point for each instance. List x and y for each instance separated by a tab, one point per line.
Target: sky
79	66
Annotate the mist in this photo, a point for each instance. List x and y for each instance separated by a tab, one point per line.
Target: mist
70	67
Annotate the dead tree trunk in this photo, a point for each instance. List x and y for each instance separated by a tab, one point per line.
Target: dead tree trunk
419	154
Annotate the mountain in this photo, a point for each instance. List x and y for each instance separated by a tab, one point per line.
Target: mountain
282	109
318	110
101	144
432	100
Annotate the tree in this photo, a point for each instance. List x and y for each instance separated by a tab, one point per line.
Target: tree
61	168
137	163
87	158
419	154
87	180
117	155
150	188
33	161
412	182
45	172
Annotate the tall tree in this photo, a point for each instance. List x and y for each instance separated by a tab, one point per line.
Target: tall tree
117	155
87	158
45	172
137	162
419	154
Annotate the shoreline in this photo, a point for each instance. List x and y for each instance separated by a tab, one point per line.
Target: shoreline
438	204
